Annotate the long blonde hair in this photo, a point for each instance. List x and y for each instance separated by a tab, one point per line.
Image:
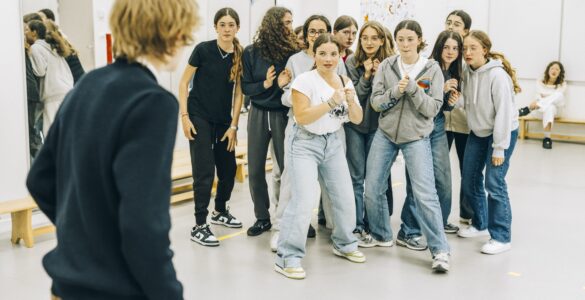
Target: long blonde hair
385	49
61	40
55	40
486	43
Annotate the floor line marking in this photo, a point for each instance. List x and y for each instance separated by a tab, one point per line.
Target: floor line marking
229	236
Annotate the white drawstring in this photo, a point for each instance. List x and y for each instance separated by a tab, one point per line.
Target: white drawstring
269	129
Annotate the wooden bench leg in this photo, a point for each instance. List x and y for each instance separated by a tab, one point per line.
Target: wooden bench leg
522	129
240	173
22	228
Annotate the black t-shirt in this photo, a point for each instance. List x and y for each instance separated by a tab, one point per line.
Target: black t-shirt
211	95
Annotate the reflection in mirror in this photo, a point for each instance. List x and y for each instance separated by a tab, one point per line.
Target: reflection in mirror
52	68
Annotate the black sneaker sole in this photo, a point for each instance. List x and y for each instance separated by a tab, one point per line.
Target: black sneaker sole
254	233
202	243
226	225
406	245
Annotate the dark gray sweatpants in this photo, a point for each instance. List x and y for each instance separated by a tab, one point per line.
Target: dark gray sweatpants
263	126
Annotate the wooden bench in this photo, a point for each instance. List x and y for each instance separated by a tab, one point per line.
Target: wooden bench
21	214
181	170
21	209
524	132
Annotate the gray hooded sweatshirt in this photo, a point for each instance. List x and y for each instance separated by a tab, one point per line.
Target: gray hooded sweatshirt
407	117
488	93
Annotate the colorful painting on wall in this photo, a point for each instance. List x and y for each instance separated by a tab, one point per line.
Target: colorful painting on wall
387	12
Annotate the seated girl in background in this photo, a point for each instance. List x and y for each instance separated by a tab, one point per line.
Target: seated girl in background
549	99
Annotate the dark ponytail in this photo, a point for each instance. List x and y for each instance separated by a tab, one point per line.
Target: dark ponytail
236	71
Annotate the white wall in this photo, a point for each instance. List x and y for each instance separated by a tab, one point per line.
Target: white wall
30	6
14	150
508	24
76	21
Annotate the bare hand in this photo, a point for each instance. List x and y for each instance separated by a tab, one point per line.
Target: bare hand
232	136
368	67
188	128
497	161
450	85
376	64
349	95
338	96
453	98
270	75
403	83
284	78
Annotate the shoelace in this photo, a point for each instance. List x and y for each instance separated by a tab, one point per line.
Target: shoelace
205	229
442	257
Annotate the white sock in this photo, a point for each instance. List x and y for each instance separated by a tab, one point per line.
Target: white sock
547	134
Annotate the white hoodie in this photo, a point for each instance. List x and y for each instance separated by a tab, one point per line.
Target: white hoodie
56	78
489	103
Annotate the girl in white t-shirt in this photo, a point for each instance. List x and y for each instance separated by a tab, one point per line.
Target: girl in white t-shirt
322	101
549	99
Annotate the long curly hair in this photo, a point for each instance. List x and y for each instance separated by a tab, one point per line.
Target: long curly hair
561	77
274	40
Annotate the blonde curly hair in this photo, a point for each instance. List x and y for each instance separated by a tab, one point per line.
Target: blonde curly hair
152	27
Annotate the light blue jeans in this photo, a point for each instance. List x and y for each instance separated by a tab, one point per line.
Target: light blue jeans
284	185
419	163
493	212
442	172
311	156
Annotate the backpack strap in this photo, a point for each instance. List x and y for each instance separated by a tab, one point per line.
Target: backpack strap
342	81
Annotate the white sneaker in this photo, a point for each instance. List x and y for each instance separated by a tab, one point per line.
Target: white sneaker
465	221
471	231
274	240
354	256
368	242
495	247
292	273
441	262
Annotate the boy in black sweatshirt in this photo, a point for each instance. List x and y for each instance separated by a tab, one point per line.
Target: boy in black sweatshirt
103	175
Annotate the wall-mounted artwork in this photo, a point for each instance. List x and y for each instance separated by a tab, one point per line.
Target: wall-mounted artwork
388	12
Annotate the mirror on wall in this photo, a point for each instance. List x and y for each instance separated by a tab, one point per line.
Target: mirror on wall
54	62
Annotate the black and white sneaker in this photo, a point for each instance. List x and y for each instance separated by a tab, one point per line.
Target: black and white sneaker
259	227
524	111
226	219
202	235
547	143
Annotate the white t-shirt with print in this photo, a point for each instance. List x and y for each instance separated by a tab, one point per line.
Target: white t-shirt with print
312	85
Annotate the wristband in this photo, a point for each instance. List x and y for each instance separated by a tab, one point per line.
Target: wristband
234	127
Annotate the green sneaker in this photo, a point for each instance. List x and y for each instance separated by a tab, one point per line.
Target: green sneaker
354	256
